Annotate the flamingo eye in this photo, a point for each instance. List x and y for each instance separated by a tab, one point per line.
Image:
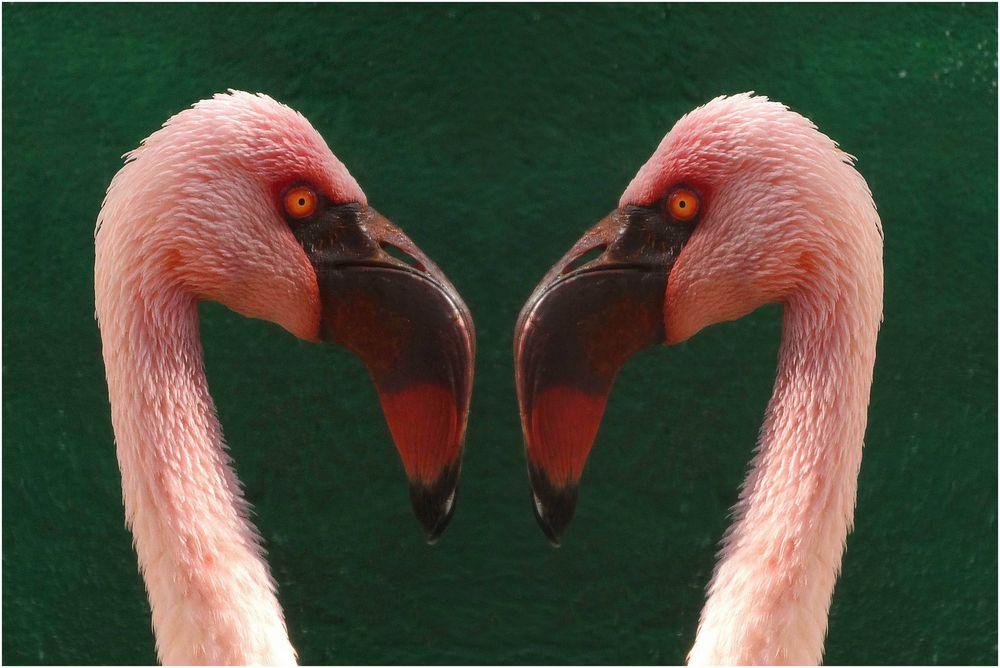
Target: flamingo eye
683	204
300	202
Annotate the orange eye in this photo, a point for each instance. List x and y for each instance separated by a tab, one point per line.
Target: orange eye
683	204
300	202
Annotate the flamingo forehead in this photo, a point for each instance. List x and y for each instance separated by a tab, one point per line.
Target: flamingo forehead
267	138
718	139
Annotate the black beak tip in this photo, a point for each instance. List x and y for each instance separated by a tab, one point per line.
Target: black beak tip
434	505
553	506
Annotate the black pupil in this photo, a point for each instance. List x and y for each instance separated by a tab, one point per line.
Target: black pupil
682	204
302	201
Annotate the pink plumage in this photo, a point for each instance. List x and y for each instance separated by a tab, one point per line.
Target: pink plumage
784	217
164	240
793	222
201	211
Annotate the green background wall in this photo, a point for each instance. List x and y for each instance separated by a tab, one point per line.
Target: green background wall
495	136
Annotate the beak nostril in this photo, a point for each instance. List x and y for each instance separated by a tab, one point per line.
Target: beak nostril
402	255
585	257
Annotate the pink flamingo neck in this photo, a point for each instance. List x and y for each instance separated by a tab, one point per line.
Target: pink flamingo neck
212	597
770	594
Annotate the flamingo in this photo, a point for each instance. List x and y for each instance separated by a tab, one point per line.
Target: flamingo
239	200
743	203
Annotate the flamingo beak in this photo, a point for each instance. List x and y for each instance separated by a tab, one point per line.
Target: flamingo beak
573	335
415	335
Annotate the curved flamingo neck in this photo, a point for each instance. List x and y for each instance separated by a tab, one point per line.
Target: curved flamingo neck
770	594
212	597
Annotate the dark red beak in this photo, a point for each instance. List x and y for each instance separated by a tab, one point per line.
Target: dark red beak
412	330
573	335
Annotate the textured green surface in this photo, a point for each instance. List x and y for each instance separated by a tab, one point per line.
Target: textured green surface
495	136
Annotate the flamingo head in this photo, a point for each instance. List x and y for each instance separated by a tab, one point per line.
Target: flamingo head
744	203
239	200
